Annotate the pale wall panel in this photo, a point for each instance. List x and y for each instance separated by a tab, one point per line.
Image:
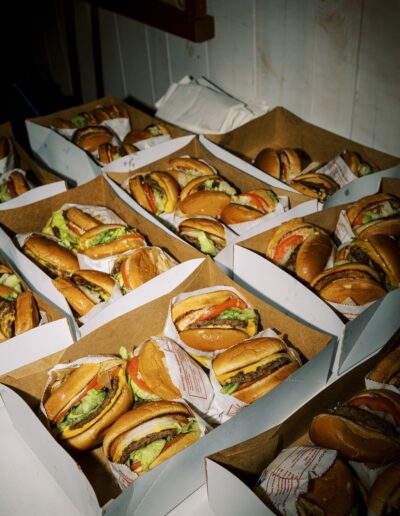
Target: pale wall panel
113	72
135	59
157	40
186	58
376	118
231	52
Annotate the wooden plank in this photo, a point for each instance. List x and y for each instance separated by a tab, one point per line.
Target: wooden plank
157	40
377	103
231	52
135	59
113	72
186	58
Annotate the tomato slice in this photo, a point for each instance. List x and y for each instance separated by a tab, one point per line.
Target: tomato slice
213	311
285	246
377	403
74	229
151	198
136	466
258	202
124	273
132	369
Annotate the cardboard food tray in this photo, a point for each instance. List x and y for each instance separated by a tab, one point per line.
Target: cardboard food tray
98	192
68	159
255	271
232	472
38	342
280	128
191	146
46	183
181	475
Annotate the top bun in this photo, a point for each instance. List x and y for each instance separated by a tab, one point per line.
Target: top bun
312	256
198	301
55	258
186	169
268	161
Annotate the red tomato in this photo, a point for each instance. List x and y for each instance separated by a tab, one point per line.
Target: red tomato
213	311
124	272
282	250
132	369
377	403
258	202
74	229
151	198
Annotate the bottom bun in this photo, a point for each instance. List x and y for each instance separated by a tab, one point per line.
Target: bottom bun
384	495
212	339
257	389
353	441
359	290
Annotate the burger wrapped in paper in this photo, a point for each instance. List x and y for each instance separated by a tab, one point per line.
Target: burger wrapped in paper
156	192
249	206
207	321
12	185
147	435
206	234
82	399
108	240
185	169
364	429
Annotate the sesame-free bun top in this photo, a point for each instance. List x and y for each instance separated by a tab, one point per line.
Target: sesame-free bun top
387	368
48	253
26	313
210	226
268	161
171	188
389	227
78	301
116	246
96	278
312	256
207	203
19	181
185	169
81	219
91	137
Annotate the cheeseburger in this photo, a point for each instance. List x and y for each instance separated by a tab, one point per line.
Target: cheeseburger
253	367
214	320
109	239
9	280
109	152
364	429
317	186
14	186
284	164
207	235
156	192
186	169
83	399
356	164
149	434
91	137
249	206
18	313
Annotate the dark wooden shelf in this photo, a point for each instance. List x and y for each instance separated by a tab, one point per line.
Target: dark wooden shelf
191	22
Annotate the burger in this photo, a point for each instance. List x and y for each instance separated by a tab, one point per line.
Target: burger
253	367
207	235
372	208
148	374
158	130
109	152
109	239
334	493
384	495
206	195
349	284
364	429
91	137
62	123
139	266
85	289
137	135
15	185
84	119
18	313
249	206
68	225
82	400
379	252
55	259
317	186
283	164
356	164
10	284
214	320
156	192
300	247
149	434
389	226
388	369
103	113
186	169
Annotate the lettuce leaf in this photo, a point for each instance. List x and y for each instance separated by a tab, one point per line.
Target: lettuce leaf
140	394
88	404
237	314
4	193
108	236
229	388
57	220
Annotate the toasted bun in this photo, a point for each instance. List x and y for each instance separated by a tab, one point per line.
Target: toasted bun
135	136
384	495
178	444
246	353
212	227
257	389
26	313
203	203
317	186
98	279
109	152
387	368
353	441
73	384
312	256
138	415
235	213
152	368
5	269
389	227
185	169
19	182
170	187
212	339
137	191
354	281
199	301
145	264
268	161
81	219
56	259
367	202
196	186
78	301
290	164
91	137
332	494
352	160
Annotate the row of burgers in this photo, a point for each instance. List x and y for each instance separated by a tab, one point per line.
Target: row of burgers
229	317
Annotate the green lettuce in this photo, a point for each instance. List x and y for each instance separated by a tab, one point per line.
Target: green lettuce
159	201
140	394
79	121
86	406
206	245
57	220
108	236
229	388
11	281
4	193
148	454
237	314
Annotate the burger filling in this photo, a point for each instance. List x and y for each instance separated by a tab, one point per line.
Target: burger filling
7	317
245	377
201	241
359	255
382	210
141	391
255	202
323	191
236	317
94	292
5	194
146	442
79	121
11	281
211	185
59	227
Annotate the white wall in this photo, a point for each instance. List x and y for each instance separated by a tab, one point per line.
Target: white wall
335	63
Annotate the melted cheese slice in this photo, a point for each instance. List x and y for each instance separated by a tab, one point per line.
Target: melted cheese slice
250	368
